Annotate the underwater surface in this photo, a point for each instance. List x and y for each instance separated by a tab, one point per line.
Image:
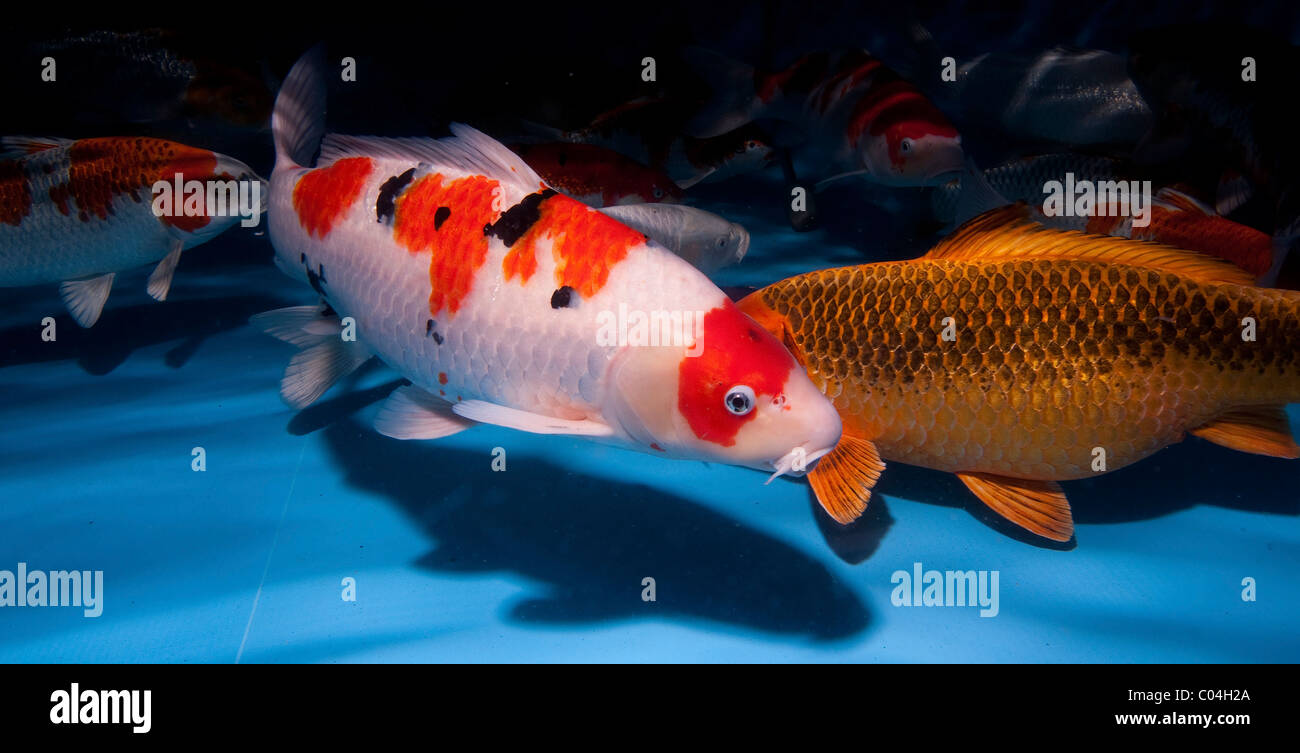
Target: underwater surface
546	560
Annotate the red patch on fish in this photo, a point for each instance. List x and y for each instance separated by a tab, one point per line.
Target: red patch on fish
322	196
899	111
1244	246
458	243
585	244
100	170
15	195
735	351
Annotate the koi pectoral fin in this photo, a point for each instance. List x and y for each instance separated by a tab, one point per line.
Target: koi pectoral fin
1261	430
534	423
1039	507
844	478
160	282
85	298
411	413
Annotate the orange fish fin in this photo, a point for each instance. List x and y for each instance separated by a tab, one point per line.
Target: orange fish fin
1262	430
1037	506
1009	233
843	479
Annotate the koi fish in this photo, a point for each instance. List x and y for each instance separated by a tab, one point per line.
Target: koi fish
79	212
857	115
702	238
1023	179
493	294
596	176
1180	220
1058	343
1176	218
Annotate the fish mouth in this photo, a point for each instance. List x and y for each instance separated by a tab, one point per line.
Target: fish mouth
785	465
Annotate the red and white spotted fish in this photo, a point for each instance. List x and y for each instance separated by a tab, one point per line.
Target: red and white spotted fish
856	115
596	176
79	212
505	302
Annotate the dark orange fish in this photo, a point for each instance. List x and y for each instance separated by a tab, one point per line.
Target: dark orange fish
1017	356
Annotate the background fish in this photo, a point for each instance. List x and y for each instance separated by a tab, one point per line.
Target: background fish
597	176
857	116
78	212
489	291
1023	179
1180	220
704	239
1062	343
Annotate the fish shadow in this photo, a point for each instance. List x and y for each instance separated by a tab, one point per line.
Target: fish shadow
589	543
122	331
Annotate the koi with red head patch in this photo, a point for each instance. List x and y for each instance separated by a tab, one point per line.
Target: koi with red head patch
78	212
504	301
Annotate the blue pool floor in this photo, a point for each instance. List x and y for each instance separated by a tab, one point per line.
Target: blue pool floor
454	561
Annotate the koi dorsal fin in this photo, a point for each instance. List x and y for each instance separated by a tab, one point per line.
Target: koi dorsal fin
12	147
1009	233
467	151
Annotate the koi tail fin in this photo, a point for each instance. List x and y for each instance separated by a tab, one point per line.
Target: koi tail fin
298	121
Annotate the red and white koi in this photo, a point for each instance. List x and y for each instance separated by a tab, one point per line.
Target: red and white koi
488	290
1179	220
856	114
79	212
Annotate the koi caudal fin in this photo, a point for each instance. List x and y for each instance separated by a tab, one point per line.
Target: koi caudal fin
298	121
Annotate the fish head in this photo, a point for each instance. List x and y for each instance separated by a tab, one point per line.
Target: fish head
751	153
216	192
916	152
717	248
735	243
734	396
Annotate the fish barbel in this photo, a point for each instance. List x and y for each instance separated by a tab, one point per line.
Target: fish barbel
1012	352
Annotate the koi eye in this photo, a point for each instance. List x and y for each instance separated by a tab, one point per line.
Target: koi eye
739	400
905	146
659	193
751	144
